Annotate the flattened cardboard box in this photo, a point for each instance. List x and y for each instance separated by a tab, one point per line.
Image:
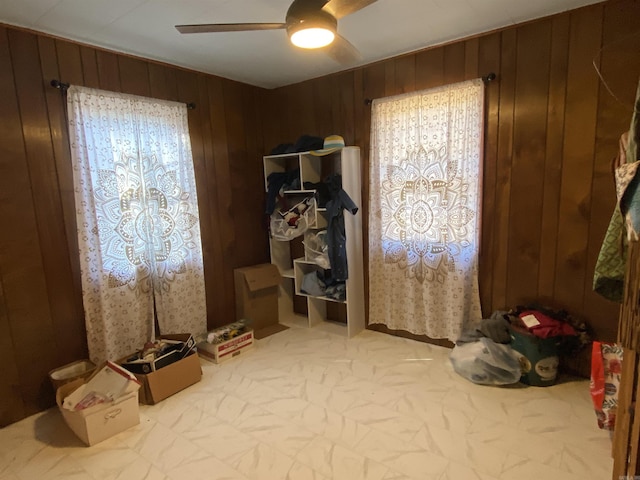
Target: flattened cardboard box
256	290
95	424
221	352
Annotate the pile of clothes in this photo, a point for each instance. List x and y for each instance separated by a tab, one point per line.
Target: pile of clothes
522	344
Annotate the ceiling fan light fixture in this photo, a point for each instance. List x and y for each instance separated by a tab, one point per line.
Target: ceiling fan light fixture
314	37
311	29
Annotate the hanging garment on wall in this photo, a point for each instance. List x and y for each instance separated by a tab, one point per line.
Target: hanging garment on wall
608	278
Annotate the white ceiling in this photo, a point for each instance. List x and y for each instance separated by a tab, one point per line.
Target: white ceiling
265	58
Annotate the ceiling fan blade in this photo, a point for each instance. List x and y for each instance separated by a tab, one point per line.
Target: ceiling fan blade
342	8
228	27
343	51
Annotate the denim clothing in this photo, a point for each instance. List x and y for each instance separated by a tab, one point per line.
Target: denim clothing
336	238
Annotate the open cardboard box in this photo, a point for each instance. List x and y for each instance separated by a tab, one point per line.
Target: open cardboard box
256	289
95	424
179	350
223	351
168	380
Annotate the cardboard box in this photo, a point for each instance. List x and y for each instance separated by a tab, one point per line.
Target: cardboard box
221	352
184	344
158	385
257	297
95	424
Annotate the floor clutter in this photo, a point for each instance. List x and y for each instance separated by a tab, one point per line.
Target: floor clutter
97	403
524	345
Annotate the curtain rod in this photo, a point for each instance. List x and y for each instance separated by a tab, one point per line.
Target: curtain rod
490	77
64	86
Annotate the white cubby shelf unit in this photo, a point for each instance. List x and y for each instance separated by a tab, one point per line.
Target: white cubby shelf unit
314	169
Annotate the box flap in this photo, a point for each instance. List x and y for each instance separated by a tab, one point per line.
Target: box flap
261	276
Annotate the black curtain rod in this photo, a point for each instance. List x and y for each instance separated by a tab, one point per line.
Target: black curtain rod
486	79
64	86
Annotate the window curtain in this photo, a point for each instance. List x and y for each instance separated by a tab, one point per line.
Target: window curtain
424	213
137	216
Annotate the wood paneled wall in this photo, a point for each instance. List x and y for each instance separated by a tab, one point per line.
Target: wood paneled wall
41	315
552	129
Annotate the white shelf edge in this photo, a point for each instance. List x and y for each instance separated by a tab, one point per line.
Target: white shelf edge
324	299
288	273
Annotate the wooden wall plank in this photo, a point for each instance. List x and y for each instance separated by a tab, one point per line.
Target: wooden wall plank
578	157
40	351
69	62
226	235
89	67
209	220
253	241
24	286
11	408
390	78
134	76
322	95
108	70
527	164
471	58
553	156
405	73
346	107
13	203
454	63
489	62
503	171
429	68
75	344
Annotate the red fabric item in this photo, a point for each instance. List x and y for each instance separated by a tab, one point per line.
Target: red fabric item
596	386
549	327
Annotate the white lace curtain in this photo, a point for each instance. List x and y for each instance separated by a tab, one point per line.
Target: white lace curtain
426	150
137	216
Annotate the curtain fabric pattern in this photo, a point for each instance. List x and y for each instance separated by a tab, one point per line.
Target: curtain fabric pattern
424	214
137	217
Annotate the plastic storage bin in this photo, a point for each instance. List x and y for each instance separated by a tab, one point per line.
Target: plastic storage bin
539	357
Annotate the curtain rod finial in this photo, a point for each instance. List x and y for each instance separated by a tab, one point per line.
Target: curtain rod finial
58	84
489	78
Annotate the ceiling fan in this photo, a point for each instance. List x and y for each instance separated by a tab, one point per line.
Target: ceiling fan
309	24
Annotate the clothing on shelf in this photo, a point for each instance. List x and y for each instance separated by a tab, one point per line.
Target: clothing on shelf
278	182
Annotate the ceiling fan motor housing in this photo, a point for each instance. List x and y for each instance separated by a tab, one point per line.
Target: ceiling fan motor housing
298	19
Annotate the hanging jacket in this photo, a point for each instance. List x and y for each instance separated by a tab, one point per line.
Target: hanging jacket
336	237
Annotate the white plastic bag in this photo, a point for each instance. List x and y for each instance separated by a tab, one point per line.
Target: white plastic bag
486	362
285	226
315	248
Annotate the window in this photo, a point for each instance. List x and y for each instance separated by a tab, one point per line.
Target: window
137	217
424	209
